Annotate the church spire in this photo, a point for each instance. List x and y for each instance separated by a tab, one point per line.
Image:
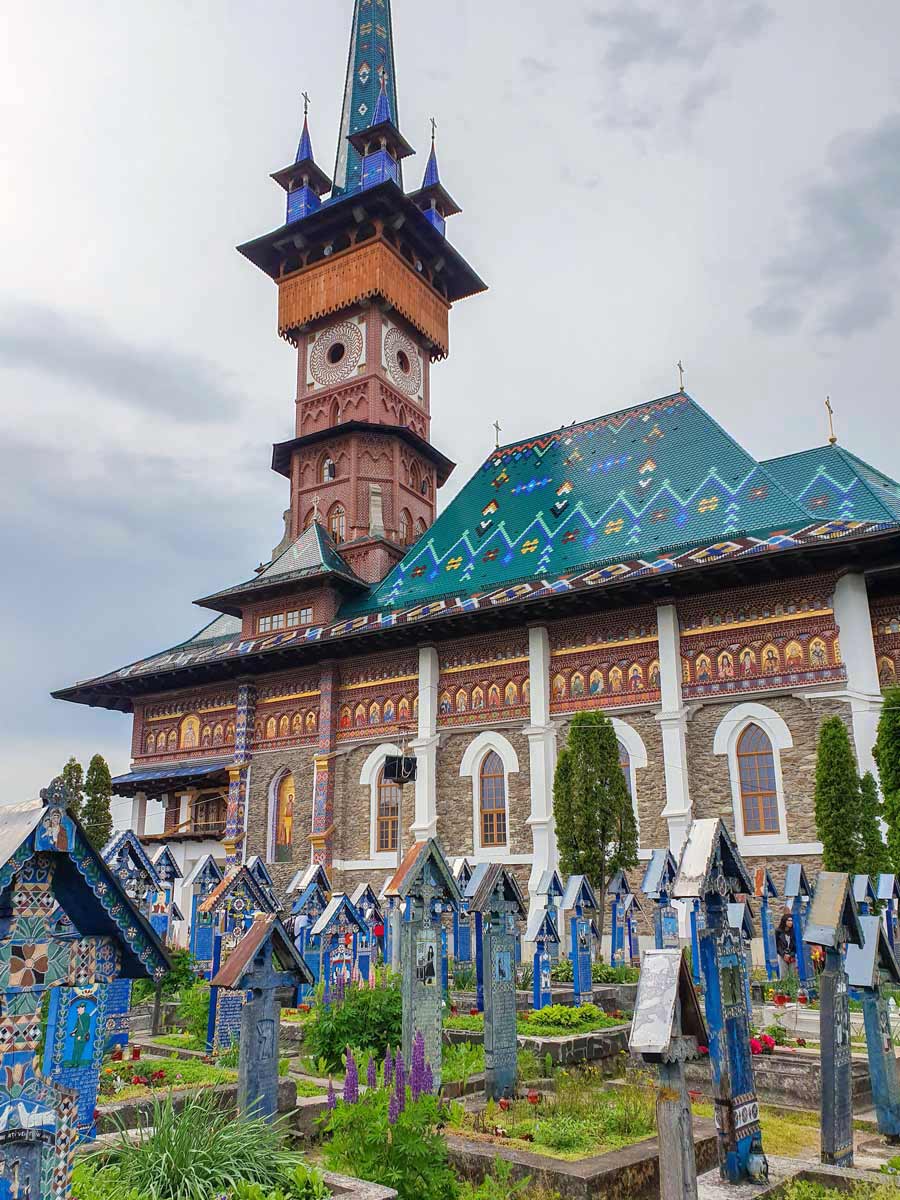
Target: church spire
432	197
304	181
370	73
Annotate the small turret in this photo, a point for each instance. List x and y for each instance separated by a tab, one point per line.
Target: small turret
304	181
433	198
381	146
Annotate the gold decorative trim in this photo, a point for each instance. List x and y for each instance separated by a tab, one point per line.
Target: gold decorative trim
757	622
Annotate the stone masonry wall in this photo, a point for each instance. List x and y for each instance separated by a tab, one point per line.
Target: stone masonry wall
265	770
454	795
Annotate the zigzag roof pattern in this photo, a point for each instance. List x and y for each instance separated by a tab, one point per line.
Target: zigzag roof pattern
640	483
831	482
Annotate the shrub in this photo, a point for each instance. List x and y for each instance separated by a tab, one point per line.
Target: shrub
498	1185
464	978
194	1154
193	1012
367	1019
182	976
567	1133
305	1183
562	971
601	972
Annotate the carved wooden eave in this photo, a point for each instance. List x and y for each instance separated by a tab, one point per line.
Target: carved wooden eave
361	273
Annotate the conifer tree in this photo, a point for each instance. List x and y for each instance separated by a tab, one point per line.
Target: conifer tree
875	857
595	824
95	815
73	779
887	756
838	799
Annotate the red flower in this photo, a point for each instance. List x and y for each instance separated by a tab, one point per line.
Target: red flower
768	1043
140	1080
704	1050
755	1047
533	1098
801	1041
504	1104
473	1012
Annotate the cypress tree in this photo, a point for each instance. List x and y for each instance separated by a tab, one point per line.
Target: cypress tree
837	799
887	756
595	825
96	816
875	857
73	778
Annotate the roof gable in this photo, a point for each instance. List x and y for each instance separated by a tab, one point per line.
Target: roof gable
266	933
708	856
865	963
833	918
796	882
764	885
634	484
496	884
339	905
660	874
578	893
165	865
830	482
425	862
542	927
665	985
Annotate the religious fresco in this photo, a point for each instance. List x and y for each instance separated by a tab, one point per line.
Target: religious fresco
377	694
188	725
604	661
288	711
886	631
484	679
760	638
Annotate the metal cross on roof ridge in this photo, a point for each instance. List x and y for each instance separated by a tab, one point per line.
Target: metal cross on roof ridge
680	375
305	97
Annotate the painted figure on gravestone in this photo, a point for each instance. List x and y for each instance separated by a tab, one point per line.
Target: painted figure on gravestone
164	912
305	912
668	1030
369	946
871	968
623	941
265	963
333	942
502	907
657	886
797	896
69	929
201	882
888	891
580	899
550	892
833	923
764	890
421	887
712	871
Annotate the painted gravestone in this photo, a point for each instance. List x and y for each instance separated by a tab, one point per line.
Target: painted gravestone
668	1030
502	907
231	907
421	887
164	912
333	942
263	877
201	882
550	892
371	944
127	859
264	964
870	968
657	886
797	897
712	871
580	900
73	1056
764	890
863	893
311	902
543	933
889	897
622	932
833	924
68	924
462	920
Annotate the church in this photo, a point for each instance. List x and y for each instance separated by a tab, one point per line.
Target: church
643	563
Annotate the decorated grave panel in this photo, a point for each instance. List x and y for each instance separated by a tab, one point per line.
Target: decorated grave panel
543	933
657	886
69	927
870	969
164	912
462	920
201	883
334	944
764	890
580	901
797	896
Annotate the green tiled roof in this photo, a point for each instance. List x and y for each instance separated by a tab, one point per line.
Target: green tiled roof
830	482
638	484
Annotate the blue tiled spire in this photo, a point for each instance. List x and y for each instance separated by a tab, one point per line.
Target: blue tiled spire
432	174
383	107
370	70
432	197
304	181
305	150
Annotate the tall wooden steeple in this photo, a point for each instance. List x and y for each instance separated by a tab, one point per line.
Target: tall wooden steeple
366	279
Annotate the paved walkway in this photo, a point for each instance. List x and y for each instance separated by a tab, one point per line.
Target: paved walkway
781	1169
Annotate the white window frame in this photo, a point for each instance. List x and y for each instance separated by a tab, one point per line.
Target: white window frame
637	760
725	743
368	777
473	758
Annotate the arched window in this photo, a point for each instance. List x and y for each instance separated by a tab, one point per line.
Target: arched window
415	478
327	469
337	523
388	814
756	774
284	819
405	528
421	528
493	800
308	519
625	764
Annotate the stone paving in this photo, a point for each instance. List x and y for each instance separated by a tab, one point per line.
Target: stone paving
711	1187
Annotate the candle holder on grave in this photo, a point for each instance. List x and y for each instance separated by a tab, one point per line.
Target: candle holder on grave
712	872
580	900
871	968
69	930
543	933
667	1031
501	905
833	924
657	886
421	886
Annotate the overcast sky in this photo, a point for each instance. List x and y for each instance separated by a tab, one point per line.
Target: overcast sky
712	180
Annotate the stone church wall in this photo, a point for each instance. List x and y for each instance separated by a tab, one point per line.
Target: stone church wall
266	771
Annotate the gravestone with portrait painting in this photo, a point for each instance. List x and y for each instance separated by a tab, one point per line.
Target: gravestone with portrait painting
422	886
333	944
371	945
69	927
657	886
498	898
833	923
266	968
200	883
164	912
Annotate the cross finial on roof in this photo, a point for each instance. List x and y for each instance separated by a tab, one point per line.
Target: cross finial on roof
832	436
680	375
498	429
433	130
305	96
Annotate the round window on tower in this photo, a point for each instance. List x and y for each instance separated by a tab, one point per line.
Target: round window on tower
403	362
404	365
336	353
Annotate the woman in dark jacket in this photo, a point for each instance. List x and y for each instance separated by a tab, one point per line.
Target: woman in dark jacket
786	945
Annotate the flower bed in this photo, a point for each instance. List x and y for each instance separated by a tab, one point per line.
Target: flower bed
137	1080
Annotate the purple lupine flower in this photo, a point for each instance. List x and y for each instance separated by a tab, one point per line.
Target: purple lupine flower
371	1075
326	995
388	1068
332	1098
428	1080
339	989
393	1109
417	1071
400	1081
351	1080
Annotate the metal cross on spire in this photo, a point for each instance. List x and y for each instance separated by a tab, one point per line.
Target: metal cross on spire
498	429
680	375
305	97
433	130
832	436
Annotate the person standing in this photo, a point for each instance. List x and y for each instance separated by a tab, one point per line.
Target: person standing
786	945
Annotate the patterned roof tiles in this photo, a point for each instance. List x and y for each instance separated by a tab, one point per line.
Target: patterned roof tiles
830	482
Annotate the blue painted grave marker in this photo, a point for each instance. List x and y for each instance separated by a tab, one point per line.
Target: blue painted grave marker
543	932
657	886
797	896
579	899
889	895
764	890
870	968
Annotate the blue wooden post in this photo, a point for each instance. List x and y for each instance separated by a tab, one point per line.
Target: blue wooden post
713	871
889	893
833	923
445	963
462	923
578	899
797	894
740	918
478	926
696	920
550	892
869	968
765	890
543	932
657	886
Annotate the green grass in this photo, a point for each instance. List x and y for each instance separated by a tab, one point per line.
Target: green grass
176	1073
180	1041
785	1134
306	1087
558	1020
